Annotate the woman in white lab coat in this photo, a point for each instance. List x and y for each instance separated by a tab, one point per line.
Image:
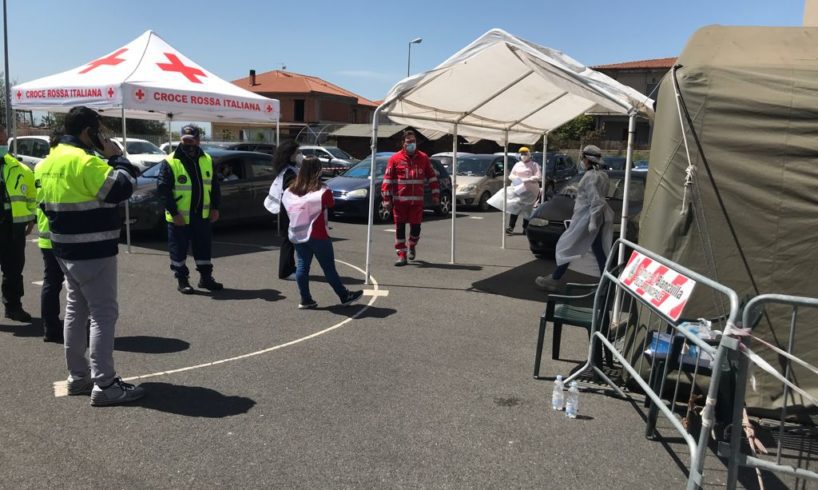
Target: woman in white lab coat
525	180
591	229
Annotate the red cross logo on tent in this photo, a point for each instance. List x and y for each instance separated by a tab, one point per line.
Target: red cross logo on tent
19	94
176	64
139	95
110	60
269	108
111	92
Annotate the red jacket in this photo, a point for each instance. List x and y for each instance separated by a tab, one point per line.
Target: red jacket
405	177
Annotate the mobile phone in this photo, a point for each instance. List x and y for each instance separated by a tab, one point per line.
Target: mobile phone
95	139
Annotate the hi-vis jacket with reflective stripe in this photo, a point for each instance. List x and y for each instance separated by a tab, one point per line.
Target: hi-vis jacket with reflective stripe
183	183
405	177
79	193
20	190
44	240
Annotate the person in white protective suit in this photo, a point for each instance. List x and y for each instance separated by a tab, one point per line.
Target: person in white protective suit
591	228
525	179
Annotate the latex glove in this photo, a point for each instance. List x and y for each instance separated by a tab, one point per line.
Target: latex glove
178	220
592	226
214	215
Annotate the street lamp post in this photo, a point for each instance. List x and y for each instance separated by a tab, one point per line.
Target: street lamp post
416	40
7	94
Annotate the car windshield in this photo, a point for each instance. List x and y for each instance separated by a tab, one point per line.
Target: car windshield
472	166
362	168
337	152
616	189
143	147
152	173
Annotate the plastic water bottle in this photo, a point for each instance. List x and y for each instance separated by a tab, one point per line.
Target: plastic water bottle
557	397
572	402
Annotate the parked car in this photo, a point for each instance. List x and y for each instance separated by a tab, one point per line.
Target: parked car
267	148
559	170
142	153
478	178
334	161
613	163
553	217
30	149
446	158
640	166
351	189
242	199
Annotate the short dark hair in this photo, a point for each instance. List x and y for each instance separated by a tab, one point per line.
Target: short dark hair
407	133
283	155
79	118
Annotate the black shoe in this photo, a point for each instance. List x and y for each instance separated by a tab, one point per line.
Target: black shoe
57	338
509	231
208	282
401	261
184	286
411	254
352	296
19	315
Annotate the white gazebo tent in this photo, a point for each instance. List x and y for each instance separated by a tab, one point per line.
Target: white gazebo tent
504	88
146	79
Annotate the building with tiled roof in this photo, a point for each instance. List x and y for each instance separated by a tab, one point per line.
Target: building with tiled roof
642	75
306	100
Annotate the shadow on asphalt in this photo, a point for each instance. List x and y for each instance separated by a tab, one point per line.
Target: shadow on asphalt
371	312
239	294
33	329
192	401
150	345
519	282
422	264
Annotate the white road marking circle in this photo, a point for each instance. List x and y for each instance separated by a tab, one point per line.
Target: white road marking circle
61	387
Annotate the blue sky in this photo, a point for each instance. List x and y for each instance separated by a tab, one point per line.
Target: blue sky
362	45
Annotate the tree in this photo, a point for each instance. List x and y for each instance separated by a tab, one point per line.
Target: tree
574	130
136	126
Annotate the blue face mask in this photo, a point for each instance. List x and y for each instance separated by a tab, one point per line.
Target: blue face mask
411	147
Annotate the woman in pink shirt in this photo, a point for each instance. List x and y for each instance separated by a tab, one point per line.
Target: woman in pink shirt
525	177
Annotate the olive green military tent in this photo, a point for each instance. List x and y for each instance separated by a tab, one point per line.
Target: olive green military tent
752	97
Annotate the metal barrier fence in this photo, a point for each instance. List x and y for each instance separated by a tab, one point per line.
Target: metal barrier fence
635	339
744	357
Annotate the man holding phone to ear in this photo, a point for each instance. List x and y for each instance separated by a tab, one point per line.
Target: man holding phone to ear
79	194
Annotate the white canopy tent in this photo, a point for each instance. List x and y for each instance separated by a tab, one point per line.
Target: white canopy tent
504	88
146	79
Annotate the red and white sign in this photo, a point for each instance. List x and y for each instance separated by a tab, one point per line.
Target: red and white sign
664	289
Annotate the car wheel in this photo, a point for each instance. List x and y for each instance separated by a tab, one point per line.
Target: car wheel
382	215
483	205
445	206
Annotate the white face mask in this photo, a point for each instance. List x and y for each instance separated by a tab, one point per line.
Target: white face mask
526	158
299	157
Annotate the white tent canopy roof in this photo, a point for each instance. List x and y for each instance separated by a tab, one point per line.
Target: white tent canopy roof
501	82
150	80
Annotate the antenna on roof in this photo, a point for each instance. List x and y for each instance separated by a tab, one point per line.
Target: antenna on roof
283	66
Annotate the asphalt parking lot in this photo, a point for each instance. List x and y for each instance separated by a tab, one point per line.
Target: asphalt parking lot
428	386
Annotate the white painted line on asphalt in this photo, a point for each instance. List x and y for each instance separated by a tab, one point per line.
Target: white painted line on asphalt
61	387
376	292
475	217
37	283
34	240
389	230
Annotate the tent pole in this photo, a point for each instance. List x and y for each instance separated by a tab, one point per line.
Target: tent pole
505	178
14	131
623	226
127	201
544	175
454	190
170	134
278	133
371	218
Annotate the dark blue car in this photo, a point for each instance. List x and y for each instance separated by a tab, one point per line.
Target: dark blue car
351	190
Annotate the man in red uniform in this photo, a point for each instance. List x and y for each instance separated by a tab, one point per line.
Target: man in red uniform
402	191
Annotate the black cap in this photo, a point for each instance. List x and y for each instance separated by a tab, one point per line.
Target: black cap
189	131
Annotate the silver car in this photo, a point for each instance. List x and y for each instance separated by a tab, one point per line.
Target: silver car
479	177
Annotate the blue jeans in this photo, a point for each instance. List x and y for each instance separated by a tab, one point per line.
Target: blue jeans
599	252
324	254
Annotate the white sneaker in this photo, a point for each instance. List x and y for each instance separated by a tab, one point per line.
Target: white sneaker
547	283
118	392
291	277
